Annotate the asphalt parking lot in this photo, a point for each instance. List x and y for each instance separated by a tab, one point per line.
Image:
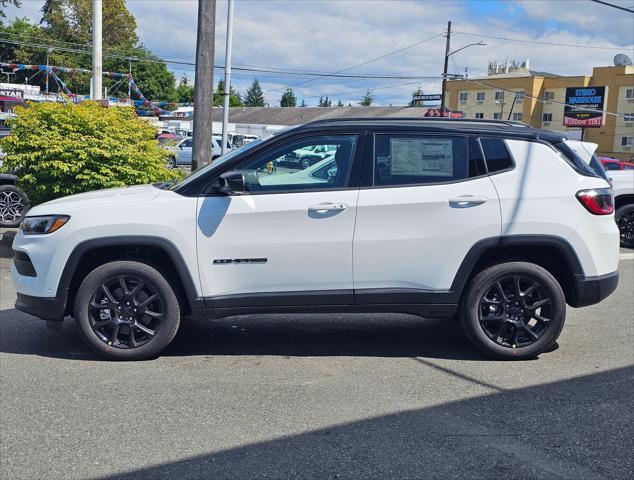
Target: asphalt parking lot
356	396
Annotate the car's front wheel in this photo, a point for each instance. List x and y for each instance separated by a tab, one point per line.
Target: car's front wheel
624	217
513	310
126	310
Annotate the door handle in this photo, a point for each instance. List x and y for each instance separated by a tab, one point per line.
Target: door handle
324	207
466	201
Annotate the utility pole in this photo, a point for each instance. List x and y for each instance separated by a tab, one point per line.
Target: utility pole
444	74
227	95
97	90
203	88
48	52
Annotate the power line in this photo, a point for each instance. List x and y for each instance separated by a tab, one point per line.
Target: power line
613	5
365	62
244	69
538	42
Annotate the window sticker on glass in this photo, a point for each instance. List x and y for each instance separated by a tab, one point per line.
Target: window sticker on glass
421	157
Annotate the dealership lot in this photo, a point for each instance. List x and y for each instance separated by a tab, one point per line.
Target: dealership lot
357	396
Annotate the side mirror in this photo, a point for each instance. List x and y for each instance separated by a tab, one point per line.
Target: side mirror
233	182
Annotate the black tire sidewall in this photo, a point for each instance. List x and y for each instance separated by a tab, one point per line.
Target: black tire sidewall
25	202
169	325
482	282
620	211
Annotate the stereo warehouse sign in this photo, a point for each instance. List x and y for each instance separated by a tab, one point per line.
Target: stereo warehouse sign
584	107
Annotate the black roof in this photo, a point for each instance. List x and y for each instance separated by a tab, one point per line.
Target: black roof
457	125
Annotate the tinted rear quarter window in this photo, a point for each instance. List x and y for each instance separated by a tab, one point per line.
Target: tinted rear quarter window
496	154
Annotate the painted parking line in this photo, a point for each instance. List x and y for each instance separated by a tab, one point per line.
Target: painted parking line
626	256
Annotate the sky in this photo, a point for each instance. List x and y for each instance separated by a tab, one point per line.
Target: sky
333	35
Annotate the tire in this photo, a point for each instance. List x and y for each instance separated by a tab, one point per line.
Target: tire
306	163
171	163
624	217
99	312
496	321
14	204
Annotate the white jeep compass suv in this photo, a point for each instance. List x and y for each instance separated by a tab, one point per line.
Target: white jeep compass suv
496	221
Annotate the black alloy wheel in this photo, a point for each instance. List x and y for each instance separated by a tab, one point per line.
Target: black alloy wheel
126	311
515	311
625	221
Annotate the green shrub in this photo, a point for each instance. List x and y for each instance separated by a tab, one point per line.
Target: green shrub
60	149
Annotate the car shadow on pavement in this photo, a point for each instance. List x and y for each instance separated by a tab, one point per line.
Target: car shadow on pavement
378	335
574	429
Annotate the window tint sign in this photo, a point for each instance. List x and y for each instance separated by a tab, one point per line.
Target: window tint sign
584	107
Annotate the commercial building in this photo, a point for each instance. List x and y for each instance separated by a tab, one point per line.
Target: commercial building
512	90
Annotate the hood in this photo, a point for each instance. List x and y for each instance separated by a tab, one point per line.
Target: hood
133	194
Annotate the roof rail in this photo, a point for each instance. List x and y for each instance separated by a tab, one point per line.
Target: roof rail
511	123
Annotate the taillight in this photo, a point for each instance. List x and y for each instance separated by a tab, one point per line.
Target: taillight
597	201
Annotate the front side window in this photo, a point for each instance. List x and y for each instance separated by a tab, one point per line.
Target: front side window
496	154
413	160
187	143
311	163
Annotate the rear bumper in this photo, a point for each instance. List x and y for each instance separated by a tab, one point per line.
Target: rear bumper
46	308
591	290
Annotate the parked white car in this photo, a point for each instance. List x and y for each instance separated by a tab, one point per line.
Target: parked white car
496	221
181	153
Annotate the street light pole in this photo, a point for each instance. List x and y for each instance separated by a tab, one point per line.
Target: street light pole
227	95
203	86
96	49
444	73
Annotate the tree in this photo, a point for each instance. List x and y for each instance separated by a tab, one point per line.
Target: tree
414	102
340	103
154	80
219	96
3	4
324	102
60	149
288	99
184	80
303	104
254	97
367	99
184	91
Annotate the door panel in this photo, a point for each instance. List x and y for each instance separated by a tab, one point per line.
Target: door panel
305	249
413	237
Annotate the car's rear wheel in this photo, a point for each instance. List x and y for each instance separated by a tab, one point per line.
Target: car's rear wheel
126	310
514	310
14	204
171	162
624	217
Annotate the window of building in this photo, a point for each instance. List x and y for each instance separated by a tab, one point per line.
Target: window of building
547	117
519	95
549	96
497	116
480	96
499	96
412	160
629	117
464	96
626	141
496	154
479	115
629	93
517	116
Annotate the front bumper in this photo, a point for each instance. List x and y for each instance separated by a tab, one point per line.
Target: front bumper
591	290
46	308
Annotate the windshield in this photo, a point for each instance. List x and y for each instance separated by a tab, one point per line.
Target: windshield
215	164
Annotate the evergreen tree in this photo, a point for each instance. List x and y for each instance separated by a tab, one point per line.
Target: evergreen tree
414	102
254	96
340	103
219	96
303	104
325	102
367	99
288	99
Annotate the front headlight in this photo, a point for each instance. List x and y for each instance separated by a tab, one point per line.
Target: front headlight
43	224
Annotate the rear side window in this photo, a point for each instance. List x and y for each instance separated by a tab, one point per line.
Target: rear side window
496	154
414	160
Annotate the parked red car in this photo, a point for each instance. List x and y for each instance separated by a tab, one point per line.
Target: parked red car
615	164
